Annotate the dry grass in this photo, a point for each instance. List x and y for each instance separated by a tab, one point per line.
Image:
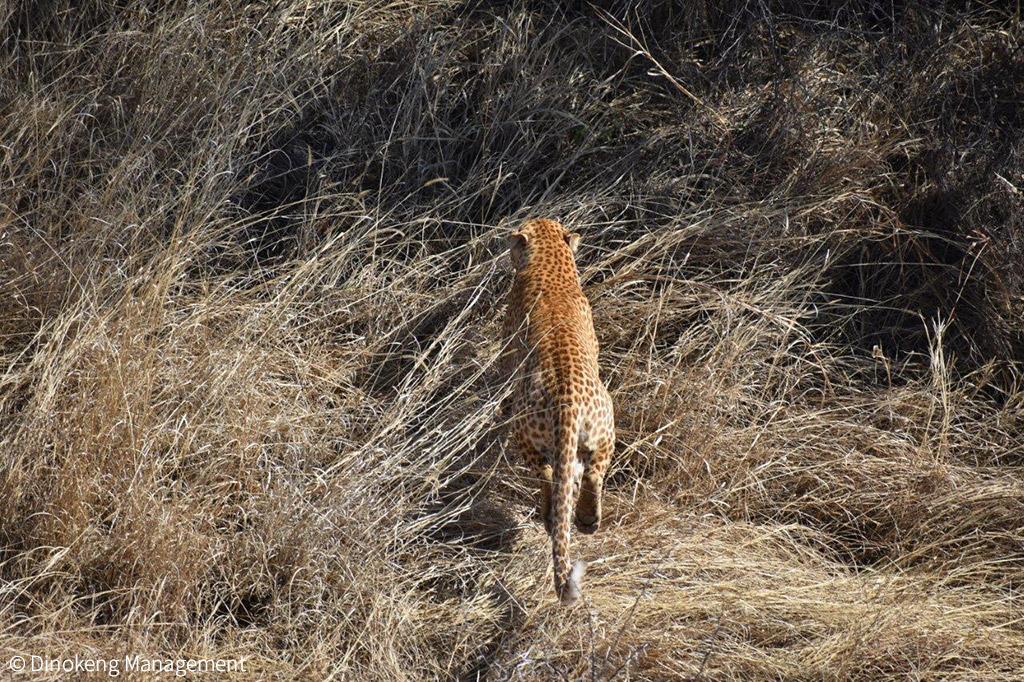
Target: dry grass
252	259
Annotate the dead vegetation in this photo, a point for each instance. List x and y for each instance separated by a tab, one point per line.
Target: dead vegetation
252	260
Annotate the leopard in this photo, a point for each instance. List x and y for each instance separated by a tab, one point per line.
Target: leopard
562	420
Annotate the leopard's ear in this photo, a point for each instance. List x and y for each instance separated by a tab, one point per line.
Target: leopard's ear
573	240
517	250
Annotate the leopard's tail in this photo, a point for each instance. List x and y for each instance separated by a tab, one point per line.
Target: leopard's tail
567	576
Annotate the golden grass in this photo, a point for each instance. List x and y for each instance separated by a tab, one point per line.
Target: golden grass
252	263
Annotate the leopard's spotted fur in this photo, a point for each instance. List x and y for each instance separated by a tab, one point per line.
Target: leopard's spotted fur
562	417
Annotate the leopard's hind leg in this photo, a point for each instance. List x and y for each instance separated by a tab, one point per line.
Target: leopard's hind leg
595	464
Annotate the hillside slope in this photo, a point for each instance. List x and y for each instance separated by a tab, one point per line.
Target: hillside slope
252	259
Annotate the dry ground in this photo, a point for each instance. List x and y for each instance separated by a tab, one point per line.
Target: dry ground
252	260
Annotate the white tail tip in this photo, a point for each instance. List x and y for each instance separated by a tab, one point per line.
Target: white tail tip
571	591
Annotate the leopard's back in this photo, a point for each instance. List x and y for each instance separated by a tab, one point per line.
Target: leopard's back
563	417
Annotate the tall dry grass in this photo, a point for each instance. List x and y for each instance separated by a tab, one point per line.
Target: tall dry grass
252	259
